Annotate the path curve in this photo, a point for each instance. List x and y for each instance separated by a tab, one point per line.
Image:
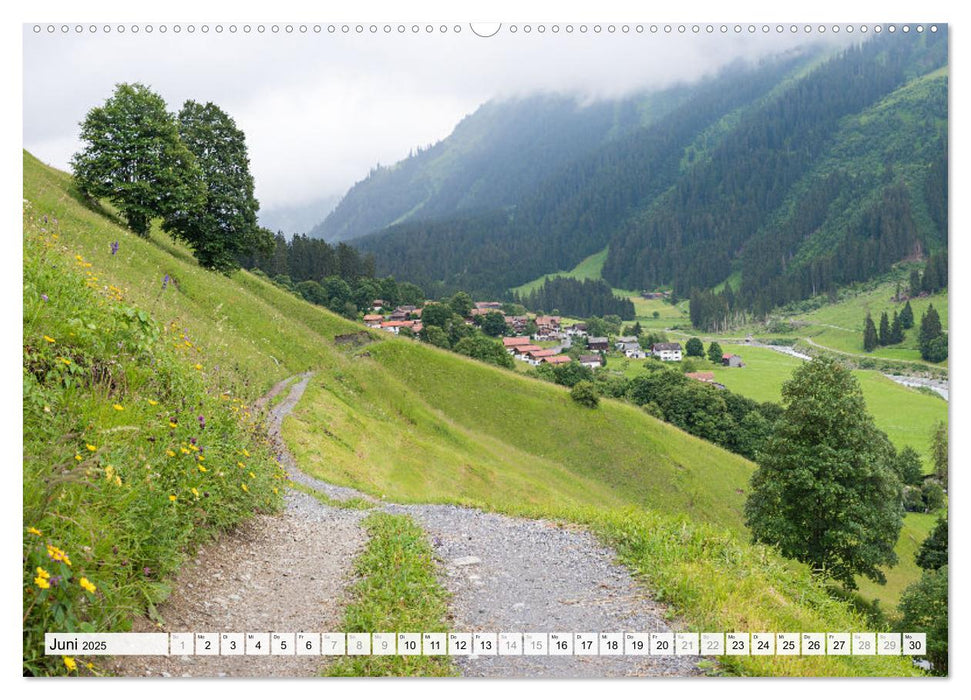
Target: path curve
510	574
287	573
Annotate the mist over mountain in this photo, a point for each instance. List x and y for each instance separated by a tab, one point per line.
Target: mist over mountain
791	177
299	218
495	155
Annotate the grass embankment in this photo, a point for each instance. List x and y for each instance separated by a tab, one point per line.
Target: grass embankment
253	333
132	454
397	591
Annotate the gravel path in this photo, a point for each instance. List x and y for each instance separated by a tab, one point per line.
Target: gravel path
516	575
283	573
287	573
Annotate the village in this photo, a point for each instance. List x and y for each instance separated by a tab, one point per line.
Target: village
538	339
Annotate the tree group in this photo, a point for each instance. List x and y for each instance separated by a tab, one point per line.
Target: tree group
191	170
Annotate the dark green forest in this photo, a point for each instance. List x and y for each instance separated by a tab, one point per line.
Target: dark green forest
799	175
577	298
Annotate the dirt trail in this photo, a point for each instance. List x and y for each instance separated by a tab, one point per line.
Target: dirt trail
510	574
286	574
283	573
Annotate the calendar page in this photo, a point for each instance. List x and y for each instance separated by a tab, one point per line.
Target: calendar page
524	349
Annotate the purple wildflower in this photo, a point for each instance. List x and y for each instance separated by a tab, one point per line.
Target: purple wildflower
146	571
114	247
165	282
55	580
192	441
44	297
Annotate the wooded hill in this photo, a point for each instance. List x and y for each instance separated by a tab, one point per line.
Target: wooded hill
802	173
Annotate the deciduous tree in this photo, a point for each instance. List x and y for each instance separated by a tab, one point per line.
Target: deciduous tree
133	157
825	491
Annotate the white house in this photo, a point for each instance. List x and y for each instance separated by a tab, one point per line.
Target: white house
667	352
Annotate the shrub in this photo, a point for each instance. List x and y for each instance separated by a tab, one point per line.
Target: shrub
585	394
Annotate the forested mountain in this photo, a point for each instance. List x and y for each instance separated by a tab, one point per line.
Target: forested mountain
802	173
572	213
491	158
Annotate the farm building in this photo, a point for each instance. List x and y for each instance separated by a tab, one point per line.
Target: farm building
598	344
730	360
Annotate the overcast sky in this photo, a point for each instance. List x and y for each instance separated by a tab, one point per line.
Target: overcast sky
319	110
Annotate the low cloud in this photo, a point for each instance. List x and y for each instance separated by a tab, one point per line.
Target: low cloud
319	110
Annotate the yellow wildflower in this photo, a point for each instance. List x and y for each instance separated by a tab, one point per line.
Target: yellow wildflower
70	663
173	497
170	453
48	339
245	488
184	450
252	475
202	468
42	583
198	366
195	492
64	360
118	407
246	452
173	425
34	531
152	402
240	465
193	448
77	457
117	480
87	585
89	666
91	448
275	490
200	458
58	554
41	573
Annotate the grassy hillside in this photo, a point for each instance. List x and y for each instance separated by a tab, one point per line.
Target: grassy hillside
397	418
253	333
417	423
587	269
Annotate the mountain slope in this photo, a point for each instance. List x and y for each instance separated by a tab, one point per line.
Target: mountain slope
737	180
573	212
493	156
252	334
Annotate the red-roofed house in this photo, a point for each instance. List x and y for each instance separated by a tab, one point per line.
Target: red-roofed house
517	341
557	360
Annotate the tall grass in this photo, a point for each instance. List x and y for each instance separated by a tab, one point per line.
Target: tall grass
131	455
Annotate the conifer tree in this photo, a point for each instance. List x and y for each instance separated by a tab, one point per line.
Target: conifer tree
869	334
884	335
907	316
896	330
